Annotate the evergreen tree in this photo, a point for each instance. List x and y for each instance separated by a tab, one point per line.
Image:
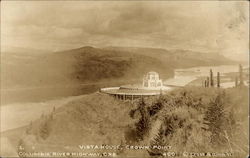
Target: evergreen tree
143	125
211	78
21	147
54	109
208	82
236	81
218	79
158	140
215	118
29	128
241	75
44	130
156	107
231	122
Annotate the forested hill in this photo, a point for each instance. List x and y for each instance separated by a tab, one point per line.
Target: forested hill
93	64
194	118
178	57
89	64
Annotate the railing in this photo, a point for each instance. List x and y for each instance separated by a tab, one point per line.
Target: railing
109	91
109	88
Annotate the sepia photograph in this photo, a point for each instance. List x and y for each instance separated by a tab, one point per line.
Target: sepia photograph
125	78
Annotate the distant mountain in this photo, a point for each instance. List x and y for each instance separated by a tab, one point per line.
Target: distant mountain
93	64
88	64
178	58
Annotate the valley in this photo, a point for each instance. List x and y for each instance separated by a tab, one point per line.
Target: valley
54	81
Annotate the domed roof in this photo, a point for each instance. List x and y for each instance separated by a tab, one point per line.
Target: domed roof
152	73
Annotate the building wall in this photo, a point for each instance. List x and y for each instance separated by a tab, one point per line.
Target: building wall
152	80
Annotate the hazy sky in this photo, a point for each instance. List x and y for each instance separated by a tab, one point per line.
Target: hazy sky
196	25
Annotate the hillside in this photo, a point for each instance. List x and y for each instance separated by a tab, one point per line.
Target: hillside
178	58
94	64
83	65
88	64
40	76
183	115
92	119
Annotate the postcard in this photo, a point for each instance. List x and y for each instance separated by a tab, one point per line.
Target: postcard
125	79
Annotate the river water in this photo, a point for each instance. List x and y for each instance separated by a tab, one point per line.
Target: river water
204	70
184	76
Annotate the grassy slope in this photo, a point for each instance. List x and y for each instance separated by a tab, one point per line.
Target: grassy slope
9	140
92	119
100	119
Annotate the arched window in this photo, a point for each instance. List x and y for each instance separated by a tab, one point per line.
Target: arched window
152	84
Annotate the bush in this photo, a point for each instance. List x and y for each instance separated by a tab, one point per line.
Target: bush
191	119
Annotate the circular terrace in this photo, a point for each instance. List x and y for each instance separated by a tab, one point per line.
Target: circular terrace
152	86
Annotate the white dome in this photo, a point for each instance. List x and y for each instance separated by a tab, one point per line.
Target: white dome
153	73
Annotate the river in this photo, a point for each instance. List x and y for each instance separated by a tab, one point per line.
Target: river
184	76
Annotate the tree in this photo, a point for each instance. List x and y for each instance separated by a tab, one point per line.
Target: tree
54	109
236	81
156	107
29	128
215	118
207	81
158	140
21	147
211	78
143	125
241	75
44	130
218	79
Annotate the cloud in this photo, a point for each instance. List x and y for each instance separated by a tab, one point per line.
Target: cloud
205	26
138	19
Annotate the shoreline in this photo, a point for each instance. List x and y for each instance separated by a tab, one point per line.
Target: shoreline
20	114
